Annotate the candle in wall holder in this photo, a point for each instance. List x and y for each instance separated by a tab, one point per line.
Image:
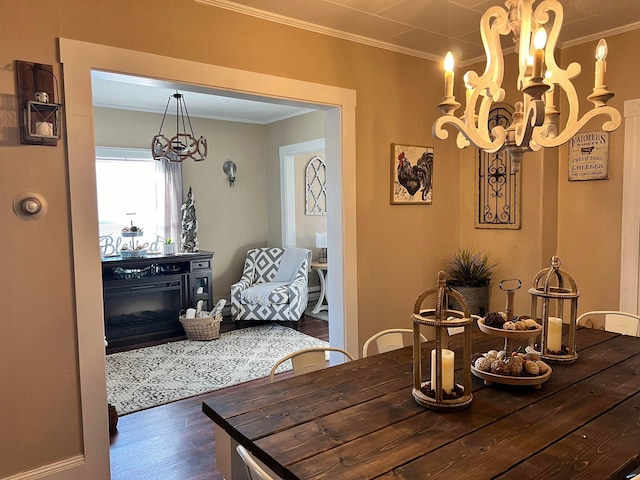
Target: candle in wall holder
554	335
44	129
448	361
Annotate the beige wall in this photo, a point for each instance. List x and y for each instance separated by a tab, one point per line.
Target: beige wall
279	134
589	213
400	248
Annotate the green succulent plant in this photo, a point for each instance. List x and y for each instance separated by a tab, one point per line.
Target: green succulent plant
468	268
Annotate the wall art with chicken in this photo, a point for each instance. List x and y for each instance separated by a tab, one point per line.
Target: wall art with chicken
411	174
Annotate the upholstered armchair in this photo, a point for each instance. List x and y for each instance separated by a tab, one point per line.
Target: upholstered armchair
273	286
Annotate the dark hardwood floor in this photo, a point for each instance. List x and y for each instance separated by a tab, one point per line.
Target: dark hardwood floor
176	441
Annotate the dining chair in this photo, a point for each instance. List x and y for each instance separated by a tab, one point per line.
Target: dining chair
611	321
308	360
255	471
390	339
457	330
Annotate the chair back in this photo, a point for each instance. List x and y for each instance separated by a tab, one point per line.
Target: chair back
308	360
390	339
261	264
612	321
254	470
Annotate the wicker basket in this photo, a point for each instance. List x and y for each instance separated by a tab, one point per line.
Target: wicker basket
205	328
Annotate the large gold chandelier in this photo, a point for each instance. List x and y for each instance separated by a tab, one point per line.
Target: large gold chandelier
534	125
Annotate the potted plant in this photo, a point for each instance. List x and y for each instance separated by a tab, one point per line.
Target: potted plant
469	272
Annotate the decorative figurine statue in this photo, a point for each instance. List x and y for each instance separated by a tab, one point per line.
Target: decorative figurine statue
189	237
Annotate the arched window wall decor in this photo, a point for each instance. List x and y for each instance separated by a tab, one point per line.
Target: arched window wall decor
315	180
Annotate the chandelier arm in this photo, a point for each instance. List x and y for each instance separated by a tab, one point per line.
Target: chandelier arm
472	127
188	118
533	117
470	134
615	120
164	116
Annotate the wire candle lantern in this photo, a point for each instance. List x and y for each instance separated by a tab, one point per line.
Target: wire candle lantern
442	392
552	287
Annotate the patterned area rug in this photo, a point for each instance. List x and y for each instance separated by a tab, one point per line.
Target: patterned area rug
152	376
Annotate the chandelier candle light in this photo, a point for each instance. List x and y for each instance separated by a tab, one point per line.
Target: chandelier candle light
184	144
534	124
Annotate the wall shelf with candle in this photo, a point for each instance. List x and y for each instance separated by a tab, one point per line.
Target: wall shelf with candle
38	111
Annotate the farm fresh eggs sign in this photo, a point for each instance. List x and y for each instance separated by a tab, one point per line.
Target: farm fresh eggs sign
589	156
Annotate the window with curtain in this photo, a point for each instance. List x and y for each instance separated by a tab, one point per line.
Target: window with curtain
134	189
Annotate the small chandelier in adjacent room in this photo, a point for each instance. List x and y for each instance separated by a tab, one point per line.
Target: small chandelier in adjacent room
184	144
534	125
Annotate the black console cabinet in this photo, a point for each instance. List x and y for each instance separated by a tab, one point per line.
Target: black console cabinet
143	297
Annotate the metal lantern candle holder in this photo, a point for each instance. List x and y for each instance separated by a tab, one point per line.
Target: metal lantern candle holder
552	287
442	392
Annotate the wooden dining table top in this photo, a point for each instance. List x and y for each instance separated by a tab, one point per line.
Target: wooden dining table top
360	421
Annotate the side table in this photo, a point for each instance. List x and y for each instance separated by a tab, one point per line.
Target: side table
321	270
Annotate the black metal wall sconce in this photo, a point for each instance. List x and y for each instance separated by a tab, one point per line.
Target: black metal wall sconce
38	111
229	168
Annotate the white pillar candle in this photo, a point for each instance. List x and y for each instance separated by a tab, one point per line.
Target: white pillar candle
448	359
554	334
44	129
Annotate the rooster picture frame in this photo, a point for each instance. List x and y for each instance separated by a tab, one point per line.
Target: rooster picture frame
411	174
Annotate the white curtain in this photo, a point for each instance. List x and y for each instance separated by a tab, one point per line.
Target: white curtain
170	196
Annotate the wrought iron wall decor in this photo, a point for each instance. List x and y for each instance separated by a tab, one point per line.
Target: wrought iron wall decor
315	180
498	187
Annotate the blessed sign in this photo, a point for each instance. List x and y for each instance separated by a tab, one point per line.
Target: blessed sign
589	156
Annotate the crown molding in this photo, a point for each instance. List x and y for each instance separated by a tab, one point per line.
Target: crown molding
604	34
312	27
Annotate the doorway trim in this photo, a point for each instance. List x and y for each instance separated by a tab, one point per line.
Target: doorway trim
630	247
288	188
78	59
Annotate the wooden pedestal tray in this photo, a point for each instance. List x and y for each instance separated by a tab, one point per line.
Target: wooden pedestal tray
509	336
490	378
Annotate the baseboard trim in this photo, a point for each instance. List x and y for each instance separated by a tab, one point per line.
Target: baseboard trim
51	469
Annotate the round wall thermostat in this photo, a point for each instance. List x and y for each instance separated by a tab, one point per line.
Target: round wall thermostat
29	206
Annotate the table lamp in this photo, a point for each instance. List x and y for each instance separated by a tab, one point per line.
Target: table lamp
321	243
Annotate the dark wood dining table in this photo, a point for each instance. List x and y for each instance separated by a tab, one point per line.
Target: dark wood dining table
359	420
